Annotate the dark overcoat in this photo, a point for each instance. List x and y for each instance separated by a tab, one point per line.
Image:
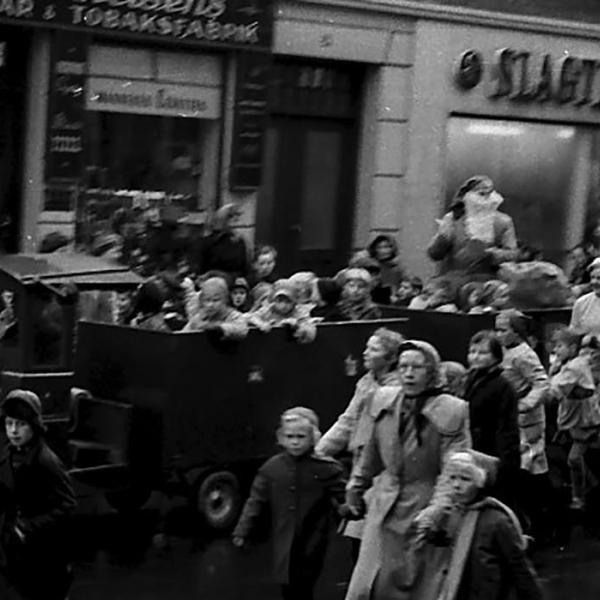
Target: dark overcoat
36	496
300	494
493	415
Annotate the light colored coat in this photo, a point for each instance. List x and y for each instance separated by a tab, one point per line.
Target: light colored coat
524	370
354	428
407	479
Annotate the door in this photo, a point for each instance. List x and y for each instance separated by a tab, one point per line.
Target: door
14	45
306	202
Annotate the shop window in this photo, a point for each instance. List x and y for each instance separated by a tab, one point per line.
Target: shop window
548	175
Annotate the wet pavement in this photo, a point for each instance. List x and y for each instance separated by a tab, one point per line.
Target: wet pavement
117	559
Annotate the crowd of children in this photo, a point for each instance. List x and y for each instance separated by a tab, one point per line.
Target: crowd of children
444	518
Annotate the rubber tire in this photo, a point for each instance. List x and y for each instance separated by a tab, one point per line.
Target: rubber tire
128	500
218	499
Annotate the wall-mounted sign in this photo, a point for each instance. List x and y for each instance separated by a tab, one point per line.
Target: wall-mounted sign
233	23
149	98
64	149
249	121
522	76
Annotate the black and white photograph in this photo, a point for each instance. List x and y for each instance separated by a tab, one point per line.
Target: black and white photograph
299	299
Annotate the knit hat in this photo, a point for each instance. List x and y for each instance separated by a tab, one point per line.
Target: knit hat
24	405
482	467
284	287
356	273
240	282
363	260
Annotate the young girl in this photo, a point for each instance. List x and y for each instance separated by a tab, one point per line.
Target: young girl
37	501
299	490
572	385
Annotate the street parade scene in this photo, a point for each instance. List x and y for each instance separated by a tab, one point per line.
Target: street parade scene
299	299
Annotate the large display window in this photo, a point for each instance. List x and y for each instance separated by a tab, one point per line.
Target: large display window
153	133
548	174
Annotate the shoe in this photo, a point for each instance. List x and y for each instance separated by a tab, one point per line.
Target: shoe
577	504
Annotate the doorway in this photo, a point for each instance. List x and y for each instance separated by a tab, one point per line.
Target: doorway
307	198
309	191
14	50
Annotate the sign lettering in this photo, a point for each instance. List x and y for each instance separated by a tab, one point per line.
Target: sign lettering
520	76
237	23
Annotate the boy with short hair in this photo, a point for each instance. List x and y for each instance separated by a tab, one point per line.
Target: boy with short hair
37	500
299	490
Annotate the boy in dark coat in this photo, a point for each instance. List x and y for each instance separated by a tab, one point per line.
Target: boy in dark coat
298	488
36	499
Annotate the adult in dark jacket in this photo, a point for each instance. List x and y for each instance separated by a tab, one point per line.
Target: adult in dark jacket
36	500
493	410
223	249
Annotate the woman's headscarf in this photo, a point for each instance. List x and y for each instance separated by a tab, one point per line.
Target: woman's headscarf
432	361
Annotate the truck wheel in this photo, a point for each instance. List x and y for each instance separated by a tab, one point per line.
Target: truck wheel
218	499
128	499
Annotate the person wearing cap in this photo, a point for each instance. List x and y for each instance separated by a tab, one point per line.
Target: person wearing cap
283	311
474	237
585	315
525	372
298	489
239	295
356	303
37	501
482	538
215	315
354	426
415	426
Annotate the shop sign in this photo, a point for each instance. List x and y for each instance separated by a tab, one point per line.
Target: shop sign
521	76
64	150
238	23
147	98
249	121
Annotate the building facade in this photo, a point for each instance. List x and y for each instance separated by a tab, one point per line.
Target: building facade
367	116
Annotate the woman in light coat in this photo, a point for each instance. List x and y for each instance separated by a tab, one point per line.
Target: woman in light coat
414	429
354	426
